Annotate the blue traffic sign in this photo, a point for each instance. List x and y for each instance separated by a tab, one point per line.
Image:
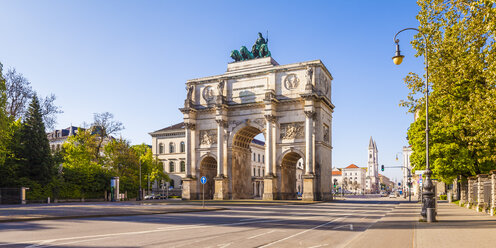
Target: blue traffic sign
203	180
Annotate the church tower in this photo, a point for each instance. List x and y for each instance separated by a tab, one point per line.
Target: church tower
372	168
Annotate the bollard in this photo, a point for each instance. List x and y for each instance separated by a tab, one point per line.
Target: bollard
48	200
431	215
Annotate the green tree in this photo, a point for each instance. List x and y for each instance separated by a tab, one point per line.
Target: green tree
82	174
4	123
151	168
462	71
35	150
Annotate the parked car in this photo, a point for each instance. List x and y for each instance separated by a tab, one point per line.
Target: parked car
149	197
392	195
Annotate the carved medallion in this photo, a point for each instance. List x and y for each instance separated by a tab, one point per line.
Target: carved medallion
208	137
294	130
208	93
291	82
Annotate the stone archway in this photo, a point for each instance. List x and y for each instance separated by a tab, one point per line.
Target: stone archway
287	174
290	104
208	168
241	179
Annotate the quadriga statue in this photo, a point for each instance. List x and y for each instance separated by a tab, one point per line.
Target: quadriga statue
258	50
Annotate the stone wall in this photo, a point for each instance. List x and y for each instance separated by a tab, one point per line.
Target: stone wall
478	192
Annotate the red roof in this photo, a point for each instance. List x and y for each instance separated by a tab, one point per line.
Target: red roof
337	173
351	166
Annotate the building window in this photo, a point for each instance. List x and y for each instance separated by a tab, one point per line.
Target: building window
254	172
171	148
259	158
183	166
356	173
182	146
254	157
263	159
161	148
171	166
58	147
258	171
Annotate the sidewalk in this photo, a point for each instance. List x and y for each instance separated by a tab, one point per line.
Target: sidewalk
456	227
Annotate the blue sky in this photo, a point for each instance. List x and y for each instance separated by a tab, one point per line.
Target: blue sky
132	58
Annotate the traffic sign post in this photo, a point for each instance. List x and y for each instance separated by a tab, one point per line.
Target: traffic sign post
203	180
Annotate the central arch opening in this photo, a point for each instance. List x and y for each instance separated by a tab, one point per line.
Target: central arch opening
247	165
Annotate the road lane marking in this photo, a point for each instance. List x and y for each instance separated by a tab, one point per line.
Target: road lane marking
351	227
258	235
224	245
302	232
318	246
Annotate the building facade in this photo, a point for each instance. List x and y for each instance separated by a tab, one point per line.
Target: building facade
407	167
350	179
57	138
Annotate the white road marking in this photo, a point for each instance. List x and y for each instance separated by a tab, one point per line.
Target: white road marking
302	232
318	246
224	245
258	235
351	227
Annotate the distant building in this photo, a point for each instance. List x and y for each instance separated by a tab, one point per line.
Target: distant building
57	138
351	178
386	183
407	152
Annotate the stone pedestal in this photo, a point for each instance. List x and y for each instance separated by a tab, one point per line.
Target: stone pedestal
221	189
470	192
493	192
190	189
481	180
270	188
309	188
463	192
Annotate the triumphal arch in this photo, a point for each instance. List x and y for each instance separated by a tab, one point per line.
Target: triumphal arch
289	104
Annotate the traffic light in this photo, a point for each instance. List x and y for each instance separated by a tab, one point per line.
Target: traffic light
382	167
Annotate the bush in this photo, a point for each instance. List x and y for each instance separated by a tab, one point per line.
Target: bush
443	197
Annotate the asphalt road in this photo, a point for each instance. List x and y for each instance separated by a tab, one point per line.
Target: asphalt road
334	224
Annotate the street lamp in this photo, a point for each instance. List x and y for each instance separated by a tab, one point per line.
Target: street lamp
428	205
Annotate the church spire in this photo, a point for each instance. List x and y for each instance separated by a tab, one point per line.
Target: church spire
371	143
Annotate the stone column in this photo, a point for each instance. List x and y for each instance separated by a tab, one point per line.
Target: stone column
220	148
187	143
493	192
309	177
270	183
481	179
470	192
221	187
269	120
190	185
309	148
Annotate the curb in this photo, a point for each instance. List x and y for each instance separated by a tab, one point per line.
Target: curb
109	215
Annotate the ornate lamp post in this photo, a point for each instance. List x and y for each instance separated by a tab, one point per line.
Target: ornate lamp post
428	205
